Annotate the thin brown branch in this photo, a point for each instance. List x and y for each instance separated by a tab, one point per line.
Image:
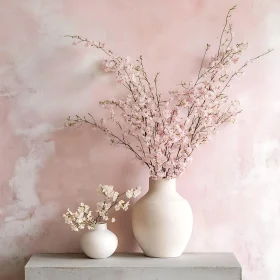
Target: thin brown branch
202	61
226	23
243	66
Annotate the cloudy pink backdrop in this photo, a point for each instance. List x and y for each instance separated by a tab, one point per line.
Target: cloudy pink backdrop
233	183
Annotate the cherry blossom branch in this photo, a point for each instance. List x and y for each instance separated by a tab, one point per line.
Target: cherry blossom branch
243	66
226	23
83	217
71	122
202	61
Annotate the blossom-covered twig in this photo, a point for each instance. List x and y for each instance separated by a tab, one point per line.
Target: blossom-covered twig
83	217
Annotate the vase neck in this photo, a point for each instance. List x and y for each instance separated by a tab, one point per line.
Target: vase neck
162	185
100	226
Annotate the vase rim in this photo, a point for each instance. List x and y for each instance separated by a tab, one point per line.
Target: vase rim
163	179
166	185
101	225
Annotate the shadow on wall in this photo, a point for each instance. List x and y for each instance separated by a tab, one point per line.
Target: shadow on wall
81	160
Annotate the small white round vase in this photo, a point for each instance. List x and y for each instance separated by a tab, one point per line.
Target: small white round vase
99	243
162	220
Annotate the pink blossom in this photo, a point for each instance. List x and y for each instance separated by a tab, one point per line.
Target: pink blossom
164	133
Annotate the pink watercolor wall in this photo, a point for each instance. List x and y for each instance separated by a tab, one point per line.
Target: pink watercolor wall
233	184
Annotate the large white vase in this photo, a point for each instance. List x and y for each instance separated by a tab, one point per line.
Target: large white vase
99	243
162	220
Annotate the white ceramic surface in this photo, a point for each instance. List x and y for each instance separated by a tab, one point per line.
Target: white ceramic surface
99	243
162	220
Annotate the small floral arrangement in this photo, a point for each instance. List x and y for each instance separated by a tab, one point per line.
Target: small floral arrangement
84	217
164	132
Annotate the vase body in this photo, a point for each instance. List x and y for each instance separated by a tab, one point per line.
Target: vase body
99	243
162	220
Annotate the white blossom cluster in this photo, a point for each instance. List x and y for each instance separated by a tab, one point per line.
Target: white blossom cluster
83	217
80	219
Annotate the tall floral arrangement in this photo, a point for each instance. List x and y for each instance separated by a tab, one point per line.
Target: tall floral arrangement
163	133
